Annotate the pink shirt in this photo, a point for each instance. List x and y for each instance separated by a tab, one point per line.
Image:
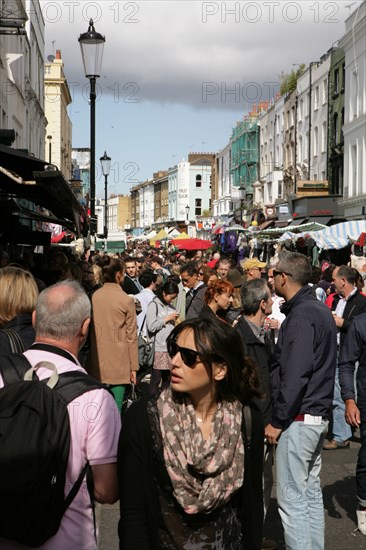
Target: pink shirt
94	429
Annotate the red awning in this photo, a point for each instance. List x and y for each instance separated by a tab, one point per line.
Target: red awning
192	244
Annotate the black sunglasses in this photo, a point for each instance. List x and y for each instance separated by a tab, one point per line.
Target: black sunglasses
189	356
275	273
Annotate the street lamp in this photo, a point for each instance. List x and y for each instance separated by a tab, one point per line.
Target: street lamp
187	209
92	45
49	148
105	161
242	193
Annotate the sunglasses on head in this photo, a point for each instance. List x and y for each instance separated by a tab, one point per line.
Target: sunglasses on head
189	356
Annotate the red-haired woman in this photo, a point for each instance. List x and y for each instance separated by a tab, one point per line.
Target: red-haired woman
218	297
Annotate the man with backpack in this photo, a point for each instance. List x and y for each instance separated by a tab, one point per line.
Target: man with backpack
61	436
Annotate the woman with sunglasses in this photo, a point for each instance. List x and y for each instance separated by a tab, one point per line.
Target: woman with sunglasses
190	459
160	319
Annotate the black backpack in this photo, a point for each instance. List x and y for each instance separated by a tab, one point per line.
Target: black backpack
34	448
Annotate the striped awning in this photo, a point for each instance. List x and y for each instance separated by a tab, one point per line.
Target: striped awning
332	238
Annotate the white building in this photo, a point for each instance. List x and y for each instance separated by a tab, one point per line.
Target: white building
223	204
21	75
189	184
312	131
269	186
146	204
354	129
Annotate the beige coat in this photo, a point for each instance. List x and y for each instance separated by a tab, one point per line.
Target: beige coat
113	342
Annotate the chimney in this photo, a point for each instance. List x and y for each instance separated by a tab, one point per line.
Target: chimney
58	54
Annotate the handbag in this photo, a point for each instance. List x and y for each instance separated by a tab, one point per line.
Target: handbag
146	349
130	397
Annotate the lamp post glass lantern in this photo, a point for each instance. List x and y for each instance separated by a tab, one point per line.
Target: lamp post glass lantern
105	162
187	209
92	45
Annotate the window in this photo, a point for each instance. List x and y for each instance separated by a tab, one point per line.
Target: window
316	98
316	140
324	137
198	207
280	188
343	77
354	95
301	109
325	91
335	128
336	81
342	124
198	180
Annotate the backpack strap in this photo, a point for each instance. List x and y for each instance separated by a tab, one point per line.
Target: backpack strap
13	367
15	341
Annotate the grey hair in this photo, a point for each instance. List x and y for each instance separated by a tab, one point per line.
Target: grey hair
297	264
59	315
252	293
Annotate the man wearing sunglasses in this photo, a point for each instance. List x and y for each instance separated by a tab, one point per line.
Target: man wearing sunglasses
195	289
302	373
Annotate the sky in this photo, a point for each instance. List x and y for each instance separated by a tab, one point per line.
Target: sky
178	75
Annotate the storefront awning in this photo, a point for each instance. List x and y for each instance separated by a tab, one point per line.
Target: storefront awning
297	221
320	219
25	177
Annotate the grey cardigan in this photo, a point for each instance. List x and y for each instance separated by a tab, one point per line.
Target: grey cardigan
155	315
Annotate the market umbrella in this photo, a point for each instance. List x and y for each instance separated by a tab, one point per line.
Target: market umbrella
192	244
235	227
182	235
160	236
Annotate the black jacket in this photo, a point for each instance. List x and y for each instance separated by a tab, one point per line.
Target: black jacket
302	369
353	350
129	286
356	305
194	307
139	470
261	353
22	325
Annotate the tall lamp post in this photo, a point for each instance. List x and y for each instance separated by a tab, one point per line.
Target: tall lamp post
92	45
105	161
49	149
187	209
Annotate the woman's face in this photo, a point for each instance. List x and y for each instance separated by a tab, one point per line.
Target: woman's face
169	298
212	278
197	380
224	300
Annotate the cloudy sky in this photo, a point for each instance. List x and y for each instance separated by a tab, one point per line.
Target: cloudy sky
177	75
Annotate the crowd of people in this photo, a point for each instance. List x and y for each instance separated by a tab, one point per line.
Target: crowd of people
253	375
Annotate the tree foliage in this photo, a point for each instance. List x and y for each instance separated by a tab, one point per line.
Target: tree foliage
288	81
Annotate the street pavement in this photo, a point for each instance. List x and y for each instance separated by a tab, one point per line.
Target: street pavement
339	493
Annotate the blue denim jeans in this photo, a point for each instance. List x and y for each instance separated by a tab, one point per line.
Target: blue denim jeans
361	463
299	495
341	430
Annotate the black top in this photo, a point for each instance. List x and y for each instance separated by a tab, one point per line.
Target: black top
261	353
146	492
356	304
22	325
354	350
129	286
302	368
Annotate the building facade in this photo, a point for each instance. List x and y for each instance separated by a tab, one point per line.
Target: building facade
22	75
354	129
58	140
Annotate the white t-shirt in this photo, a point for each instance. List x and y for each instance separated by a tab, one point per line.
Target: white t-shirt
94	431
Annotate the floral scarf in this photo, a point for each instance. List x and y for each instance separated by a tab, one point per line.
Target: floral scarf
204	474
